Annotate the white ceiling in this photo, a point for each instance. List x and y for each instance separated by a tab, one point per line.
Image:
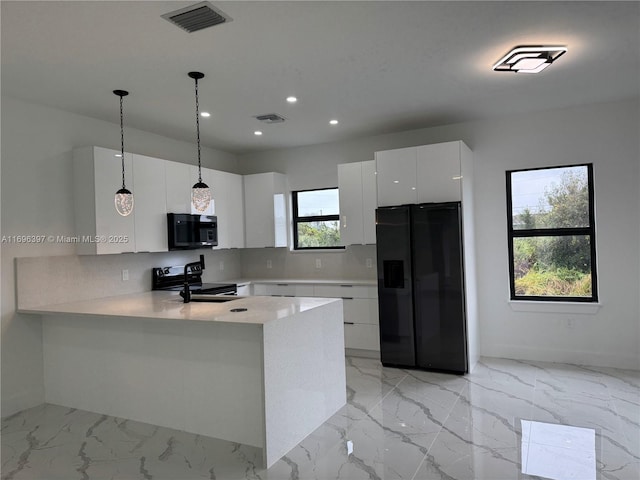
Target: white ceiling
376	66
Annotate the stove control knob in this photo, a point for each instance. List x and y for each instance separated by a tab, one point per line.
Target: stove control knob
159	273
166	271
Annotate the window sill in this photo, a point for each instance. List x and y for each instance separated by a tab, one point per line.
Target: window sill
555	307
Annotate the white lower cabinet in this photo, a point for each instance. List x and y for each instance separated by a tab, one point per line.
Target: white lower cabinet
283	289
361	336
359	303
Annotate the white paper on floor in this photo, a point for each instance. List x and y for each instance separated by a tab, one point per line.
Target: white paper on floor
559	452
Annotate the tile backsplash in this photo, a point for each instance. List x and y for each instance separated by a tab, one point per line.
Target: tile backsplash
348	264
60	279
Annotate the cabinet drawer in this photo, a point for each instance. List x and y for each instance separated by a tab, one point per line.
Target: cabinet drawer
345	291
360	310
361	336
283	289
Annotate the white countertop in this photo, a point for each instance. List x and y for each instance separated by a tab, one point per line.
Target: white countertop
170	306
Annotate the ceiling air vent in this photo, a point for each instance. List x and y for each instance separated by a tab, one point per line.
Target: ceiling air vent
270	118
196	17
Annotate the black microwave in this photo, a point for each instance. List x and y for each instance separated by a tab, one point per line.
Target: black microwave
188	231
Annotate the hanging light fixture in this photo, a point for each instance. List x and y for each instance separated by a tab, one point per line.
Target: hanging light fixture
200	192
123	198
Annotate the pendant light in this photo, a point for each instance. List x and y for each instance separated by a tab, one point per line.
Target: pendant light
124	198
200	192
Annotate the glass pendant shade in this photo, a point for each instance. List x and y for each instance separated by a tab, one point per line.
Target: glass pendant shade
200	197
124	202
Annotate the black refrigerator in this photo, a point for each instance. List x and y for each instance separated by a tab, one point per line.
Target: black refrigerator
421	287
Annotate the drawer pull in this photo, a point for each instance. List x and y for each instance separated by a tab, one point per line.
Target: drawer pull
347	298
349	323
346	285
282	284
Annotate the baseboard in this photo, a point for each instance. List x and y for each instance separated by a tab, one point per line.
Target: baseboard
357	352
587	358
21	401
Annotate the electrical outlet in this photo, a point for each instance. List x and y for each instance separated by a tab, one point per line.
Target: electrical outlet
221	265
125	275
369	263
318	263
269	264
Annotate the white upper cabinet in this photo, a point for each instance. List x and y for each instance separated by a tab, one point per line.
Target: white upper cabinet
369	201
350	194
438	172
424	174
265	210
150	208
97	175
227	201
234	209
178	185
396	177
357	187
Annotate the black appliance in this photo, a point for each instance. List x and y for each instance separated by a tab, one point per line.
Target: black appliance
187	231
173	278
421	287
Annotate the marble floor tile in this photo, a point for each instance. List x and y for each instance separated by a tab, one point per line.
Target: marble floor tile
398	424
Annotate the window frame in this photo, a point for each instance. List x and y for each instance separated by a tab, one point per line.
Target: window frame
589	231
295	219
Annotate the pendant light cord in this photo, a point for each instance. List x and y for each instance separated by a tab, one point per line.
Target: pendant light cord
198	132
122	141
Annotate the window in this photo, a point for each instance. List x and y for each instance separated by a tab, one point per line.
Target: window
552	241
315	219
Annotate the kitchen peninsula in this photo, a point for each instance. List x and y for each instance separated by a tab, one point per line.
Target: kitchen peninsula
261	371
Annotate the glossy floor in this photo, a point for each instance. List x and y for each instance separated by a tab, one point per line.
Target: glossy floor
508	420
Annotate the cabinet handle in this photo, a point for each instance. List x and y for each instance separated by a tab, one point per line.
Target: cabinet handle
347	298
346	285
349	323
282	284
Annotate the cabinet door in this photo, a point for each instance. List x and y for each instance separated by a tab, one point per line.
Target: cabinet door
234	209
150	210
396	177
116	233
350	189
438	170
258	201
178	183
279	210
265	210
369	202
361	336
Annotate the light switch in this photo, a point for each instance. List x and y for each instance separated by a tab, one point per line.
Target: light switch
125	275
318	263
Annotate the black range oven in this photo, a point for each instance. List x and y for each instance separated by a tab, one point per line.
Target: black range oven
173	279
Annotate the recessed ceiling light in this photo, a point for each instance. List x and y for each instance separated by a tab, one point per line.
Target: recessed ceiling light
292	99
529	59
257	132
333	122
205	114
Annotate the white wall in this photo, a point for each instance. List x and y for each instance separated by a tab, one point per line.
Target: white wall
604	134
37	142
